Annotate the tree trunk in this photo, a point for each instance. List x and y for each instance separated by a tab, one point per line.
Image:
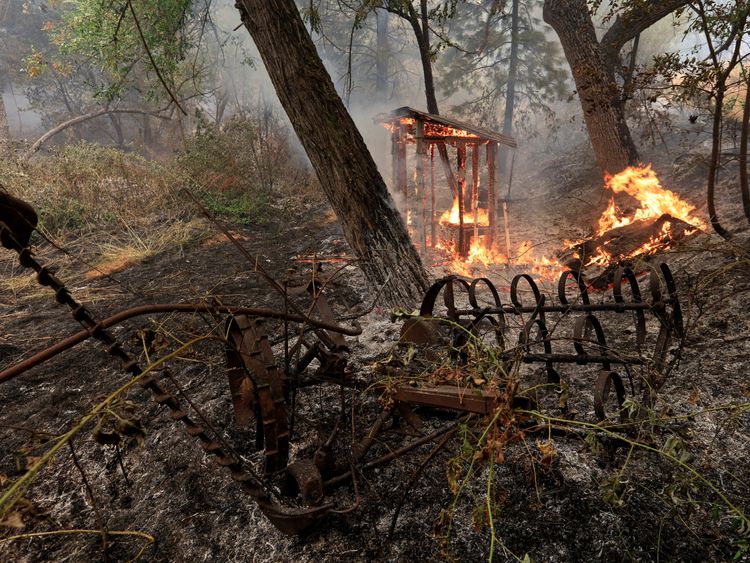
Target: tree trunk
345	168
714	163
594	77
381	55
510	93
421	25
743	152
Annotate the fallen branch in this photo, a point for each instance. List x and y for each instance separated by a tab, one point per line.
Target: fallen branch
86	117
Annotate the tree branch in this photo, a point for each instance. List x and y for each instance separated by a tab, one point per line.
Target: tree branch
630	24
151	58
80	119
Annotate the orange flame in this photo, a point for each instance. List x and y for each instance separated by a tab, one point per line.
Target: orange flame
430	129
654	200
450	217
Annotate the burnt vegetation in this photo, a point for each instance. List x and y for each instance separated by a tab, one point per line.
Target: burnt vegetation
354	281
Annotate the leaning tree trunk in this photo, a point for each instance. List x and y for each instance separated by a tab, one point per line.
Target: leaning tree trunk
351	181
745	134
594	77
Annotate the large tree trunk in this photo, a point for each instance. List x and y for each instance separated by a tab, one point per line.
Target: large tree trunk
510	95
346	171
381	55
593	65
594	77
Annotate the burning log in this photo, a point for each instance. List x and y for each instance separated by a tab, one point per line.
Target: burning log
620	245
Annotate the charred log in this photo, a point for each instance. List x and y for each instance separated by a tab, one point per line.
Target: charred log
622	245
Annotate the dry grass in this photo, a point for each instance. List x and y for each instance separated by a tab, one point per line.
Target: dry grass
131	248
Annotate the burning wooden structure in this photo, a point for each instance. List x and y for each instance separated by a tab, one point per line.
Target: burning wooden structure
473	213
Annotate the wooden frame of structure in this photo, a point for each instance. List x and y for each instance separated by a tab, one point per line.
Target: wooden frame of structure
429	132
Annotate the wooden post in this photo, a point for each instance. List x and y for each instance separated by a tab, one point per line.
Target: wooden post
475	187
421	156
506	219
433	227
394	160
491	195
402	185
461	185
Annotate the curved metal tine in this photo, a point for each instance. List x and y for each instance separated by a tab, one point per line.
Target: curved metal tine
523	337
654	284
583	288
635	291
514	289
499	324
449	297
583	325
663	341
677	321
552	375
428	302
460	335
518	304
495	297
601	392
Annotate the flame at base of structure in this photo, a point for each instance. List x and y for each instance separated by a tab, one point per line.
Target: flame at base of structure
657	220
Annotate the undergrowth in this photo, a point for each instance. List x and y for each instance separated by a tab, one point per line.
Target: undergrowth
115	208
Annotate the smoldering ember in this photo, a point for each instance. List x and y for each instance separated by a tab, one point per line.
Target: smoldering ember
374	280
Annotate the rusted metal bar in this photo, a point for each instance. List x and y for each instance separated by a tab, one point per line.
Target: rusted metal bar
397	452
364	446
122	316
572	308
448	397
584	359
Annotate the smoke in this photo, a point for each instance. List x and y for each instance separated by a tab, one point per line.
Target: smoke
22	120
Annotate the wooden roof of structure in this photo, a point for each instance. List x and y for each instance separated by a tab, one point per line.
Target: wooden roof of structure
475	133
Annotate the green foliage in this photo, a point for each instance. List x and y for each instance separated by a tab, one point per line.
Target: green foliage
107	34
695	76
243	207
243	165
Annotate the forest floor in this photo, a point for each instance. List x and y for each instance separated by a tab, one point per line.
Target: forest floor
667	496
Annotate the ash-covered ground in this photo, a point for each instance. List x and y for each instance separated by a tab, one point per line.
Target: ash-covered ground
575	496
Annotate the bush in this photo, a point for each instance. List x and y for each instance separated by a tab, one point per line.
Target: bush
246	166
